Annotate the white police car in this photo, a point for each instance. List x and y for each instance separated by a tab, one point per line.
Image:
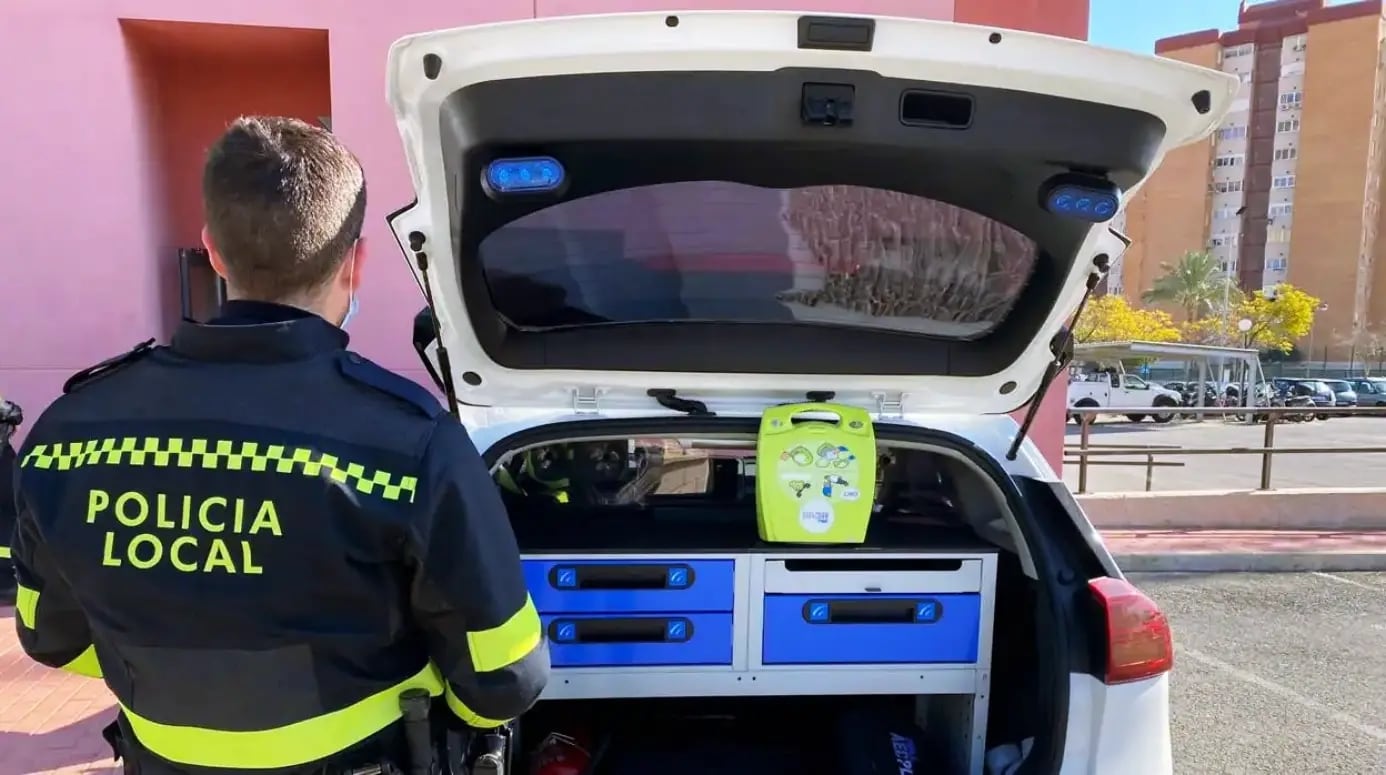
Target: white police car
640	231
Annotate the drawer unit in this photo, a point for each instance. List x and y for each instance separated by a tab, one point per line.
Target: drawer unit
870	629
592	640
630	585
874	610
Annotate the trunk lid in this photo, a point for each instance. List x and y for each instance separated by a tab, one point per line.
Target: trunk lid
749	207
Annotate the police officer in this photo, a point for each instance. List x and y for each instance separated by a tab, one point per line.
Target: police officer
259	538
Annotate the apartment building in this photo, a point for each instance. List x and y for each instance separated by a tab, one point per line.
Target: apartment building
1289	188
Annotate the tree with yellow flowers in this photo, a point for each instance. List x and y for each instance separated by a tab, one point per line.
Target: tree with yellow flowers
1111	319
1278	320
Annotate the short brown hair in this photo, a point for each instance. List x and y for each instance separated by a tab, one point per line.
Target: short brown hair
284	202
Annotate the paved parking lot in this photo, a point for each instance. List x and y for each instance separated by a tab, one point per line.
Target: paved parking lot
1277	673
1240	471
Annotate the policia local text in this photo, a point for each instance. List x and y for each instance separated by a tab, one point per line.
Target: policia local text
207	535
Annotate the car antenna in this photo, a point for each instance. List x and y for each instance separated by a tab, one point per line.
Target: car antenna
669	399
1062	348
416	243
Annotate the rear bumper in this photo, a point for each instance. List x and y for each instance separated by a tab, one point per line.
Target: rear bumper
1118	730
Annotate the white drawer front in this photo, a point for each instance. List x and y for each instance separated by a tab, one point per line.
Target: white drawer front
779	579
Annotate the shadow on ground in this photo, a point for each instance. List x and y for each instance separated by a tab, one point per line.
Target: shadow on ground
75	748
1072	431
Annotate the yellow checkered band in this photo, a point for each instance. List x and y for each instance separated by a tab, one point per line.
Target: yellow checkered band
210	455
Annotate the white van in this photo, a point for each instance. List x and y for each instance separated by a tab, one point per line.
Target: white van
640	231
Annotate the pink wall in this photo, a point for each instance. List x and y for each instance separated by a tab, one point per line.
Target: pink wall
86	229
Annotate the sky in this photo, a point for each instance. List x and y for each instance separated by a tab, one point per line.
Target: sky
1135	25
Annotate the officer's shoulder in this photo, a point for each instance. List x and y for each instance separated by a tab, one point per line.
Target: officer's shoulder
106	368
364	371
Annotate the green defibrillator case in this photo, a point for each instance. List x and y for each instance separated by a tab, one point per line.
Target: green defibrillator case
815	474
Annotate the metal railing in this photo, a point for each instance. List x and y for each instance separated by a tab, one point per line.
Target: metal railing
1146	455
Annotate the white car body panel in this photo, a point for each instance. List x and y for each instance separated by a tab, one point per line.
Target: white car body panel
1118	730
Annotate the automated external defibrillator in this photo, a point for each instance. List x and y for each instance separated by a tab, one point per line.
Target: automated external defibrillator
687	576
817	474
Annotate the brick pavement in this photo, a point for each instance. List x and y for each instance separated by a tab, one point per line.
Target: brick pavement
50	721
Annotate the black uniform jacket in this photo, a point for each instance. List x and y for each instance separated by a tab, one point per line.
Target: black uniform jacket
260	539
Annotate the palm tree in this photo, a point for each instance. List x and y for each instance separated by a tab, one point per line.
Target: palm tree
1196	284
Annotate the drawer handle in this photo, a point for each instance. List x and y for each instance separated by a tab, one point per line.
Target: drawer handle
860	565
620	577
911	611
629	630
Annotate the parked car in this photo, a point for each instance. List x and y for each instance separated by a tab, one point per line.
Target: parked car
1343	392
656	226
1322	395
1288	395
1371	391
1116	390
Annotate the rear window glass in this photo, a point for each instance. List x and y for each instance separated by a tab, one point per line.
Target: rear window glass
718	251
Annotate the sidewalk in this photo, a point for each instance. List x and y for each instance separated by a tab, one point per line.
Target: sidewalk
50	721
1208	551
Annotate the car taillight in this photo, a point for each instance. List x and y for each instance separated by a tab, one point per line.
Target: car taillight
1139	643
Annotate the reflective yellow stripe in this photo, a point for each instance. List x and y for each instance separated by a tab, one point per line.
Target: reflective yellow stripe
4	552
220	454
507	644
468	716
288	746
26	604
85	664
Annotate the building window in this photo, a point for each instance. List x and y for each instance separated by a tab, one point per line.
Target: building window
1291	68
1237	51
1227	186
1232	133
1228	160
1280	210
1291	99
1277	264
1285	154
1299	42
1246	77
1287	181
1281	234
1291	125
1223	213
1228	267
1223	240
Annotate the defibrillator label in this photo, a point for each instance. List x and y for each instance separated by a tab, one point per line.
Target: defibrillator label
215	534
816	516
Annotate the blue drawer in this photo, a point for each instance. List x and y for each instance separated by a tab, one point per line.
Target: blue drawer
628	641
870	629
621	585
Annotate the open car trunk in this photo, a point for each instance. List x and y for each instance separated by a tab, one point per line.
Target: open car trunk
666	217
752	692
